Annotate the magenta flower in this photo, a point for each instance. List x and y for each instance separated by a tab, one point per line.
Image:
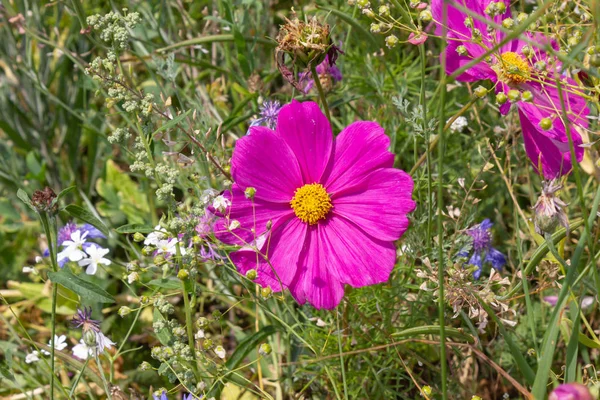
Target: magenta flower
334	206
570	391
524	74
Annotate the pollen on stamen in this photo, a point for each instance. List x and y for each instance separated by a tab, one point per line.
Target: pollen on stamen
311	203
512	68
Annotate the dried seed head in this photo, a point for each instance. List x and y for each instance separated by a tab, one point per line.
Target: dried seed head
549	209
43	200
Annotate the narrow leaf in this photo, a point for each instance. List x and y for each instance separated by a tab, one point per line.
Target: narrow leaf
133	228
86	216
85	289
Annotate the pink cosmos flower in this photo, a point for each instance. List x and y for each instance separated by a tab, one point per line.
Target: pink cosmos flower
571	391
326	211
521	67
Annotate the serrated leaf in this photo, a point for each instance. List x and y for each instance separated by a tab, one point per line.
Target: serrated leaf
133	228
86	216
85	289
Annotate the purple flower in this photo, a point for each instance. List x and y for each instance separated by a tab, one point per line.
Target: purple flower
163	396
268	114
520	72
328	73
84	320
205	224
571	391
327	210
482	250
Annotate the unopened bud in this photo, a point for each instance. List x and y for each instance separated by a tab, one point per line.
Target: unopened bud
145	366
391	41
501	98
514	95
124	310
89	338
251	274
384	11
138	237
461	50
425	16
265	292
545	124
527	96
183	274
207	344
522	17
480	92
250	192
508	23
264	349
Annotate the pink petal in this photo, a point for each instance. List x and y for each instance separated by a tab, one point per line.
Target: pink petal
358	150
316	280
282	250
252	216
418	39
264	161
307	132
547	148
379	203
455	61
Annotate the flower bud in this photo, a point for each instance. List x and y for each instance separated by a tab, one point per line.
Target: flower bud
384	11
571	391
368	12
145	366
207	344
159	259
591	50
461	50
549	209
501	98
508	23
264	349
363	3
522	17
500	7
527	96
375	28
138	237
124	310
44	200
249	193
147	250
425	16
269	225
480	92
526	50
514	95
391	41
469	22
540	65
251	274
265	292
89	338
202	322
183	274
545	124
426	390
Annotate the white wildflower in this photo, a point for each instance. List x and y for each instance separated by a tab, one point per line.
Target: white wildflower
74	247
60	342
220	203
96	254
220	351
157	235
458	125
32	357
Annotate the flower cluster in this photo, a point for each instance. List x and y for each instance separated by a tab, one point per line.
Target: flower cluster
113	27
75	247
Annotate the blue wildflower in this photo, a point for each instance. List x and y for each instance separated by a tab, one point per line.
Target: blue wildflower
163	396
481	248
269	111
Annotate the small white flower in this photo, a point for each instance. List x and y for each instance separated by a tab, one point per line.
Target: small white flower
169	247
38	260
28	270
60	342
83	351
220	351
32	357
199	334
459	124
234	225
220	203
157	235
321	323
208	195
96	254
73	248
133	277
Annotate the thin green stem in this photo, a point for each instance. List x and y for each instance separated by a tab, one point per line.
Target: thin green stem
440	226
104	382
188	320
313	69
74	386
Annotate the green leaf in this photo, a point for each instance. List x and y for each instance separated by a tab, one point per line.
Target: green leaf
133	228
86	216
172	123
165	283
248	344
64	192
434	330
21	194
355	24
165	337
85	289
5	371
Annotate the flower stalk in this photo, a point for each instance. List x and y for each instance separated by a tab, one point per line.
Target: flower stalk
315	74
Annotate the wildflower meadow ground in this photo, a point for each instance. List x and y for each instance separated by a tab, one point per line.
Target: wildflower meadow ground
352	199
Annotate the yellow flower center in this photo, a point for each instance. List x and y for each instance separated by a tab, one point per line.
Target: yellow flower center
513	68
311	203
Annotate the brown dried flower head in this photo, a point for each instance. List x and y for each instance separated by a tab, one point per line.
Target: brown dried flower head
549	209
43	200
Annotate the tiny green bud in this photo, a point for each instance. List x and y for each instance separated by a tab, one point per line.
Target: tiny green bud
183	274
159	259
368	12
89	338
591	50
573	41
469	22
217	315
546	124
202	322
265	292
522	17
540	65
500	7
527	96
207	344
480	92
144	300
501	98
250	192
363	3
251	274
384	11
264	349
426	390
375	28
514	95
508	23
526	50
123	311
475	397
145	366
476	34
425	16
138	237
391	41
461	50
147	250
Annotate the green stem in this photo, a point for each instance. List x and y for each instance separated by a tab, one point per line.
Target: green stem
313	70
74	386
188	320
104	382
50	231
440	225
